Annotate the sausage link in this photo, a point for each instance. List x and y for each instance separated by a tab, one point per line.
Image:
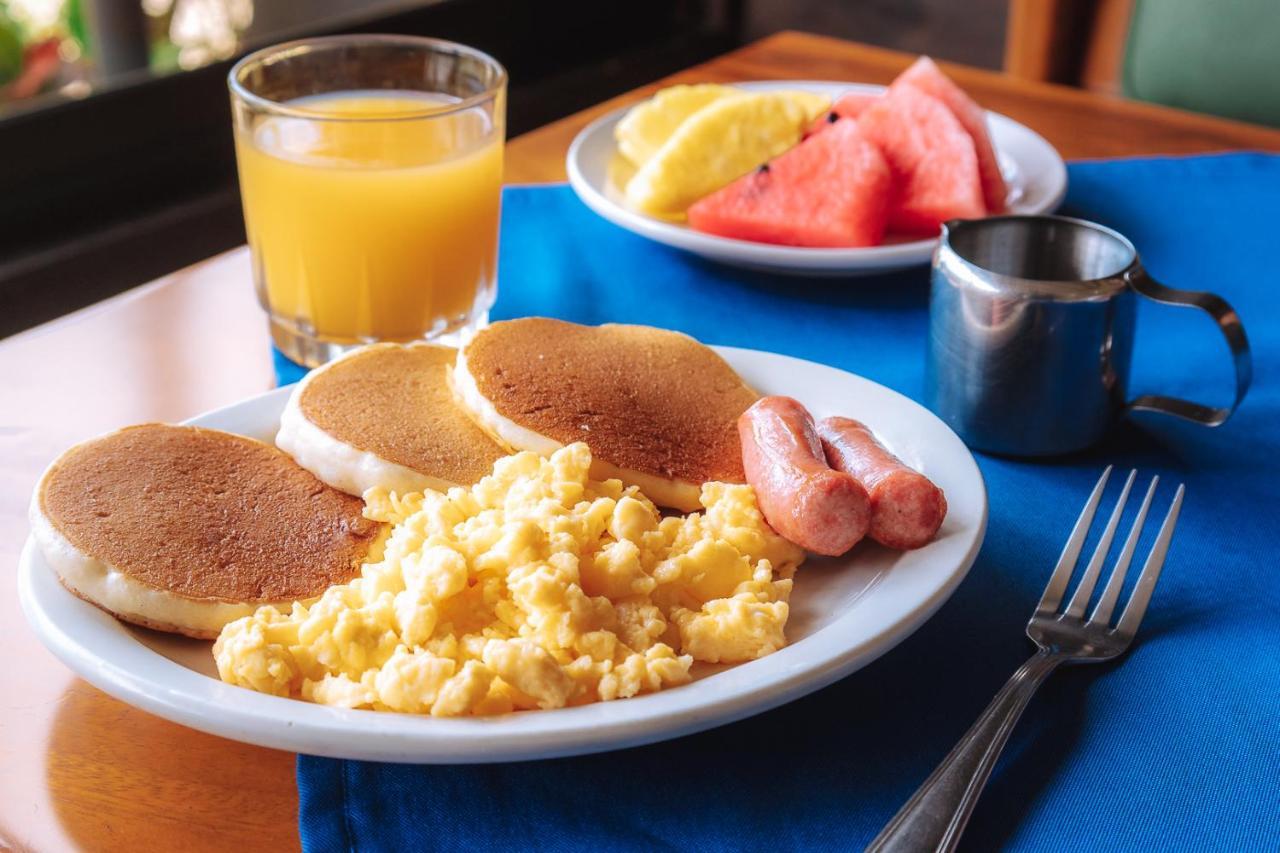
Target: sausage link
821	510
906	507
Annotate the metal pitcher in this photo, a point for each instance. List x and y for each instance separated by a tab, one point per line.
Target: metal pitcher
1031	322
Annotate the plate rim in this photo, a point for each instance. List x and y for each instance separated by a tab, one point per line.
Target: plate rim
749	253
304	727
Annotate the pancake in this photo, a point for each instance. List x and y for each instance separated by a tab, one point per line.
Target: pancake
185	529
658	409
384	416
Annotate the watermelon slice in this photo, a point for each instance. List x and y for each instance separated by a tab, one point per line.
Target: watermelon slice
832	190
849	105
926	76
932	158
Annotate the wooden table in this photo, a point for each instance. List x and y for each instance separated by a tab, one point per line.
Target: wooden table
81	770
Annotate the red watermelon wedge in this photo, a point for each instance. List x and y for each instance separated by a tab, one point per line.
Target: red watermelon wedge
932	158
832	190
849	105
926	76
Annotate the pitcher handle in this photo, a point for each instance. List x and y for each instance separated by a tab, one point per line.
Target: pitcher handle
1232	329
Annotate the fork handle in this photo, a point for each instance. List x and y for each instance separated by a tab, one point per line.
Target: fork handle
937	813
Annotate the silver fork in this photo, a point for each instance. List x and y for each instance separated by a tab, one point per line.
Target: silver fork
937	813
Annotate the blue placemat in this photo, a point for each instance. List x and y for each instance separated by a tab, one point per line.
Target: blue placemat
1177	746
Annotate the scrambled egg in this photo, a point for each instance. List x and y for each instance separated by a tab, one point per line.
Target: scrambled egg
535	588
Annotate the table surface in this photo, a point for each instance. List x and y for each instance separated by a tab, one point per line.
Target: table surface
80	770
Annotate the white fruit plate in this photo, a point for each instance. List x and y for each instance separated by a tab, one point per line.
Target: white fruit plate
1033	169
845	613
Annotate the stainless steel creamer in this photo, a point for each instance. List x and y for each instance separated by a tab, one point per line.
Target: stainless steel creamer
1031	322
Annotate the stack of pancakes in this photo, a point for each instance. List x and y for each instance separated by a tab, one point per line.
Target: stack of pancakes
658	409
184	529
384	416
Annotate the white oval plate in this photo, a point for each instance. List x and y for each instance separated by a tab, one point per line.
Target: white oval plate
845	613
1034	170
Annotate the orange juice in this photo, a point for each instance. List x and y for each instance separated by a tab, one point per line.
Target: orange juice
372	215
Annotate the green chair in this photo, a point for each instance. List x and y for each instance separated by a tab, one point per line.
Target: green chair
1211	56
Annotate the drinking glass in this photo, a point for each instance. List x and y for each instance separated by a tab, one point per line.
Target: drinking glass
370	175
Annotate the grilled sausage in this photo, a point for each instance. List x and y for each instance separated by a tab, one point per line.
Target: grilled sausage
821	510
906	507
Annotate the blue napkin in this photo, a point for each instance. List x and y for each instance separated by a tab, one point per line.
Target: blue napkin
1175	746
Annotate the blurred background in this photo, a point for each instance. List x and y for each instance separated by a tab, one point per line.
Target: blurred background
116	159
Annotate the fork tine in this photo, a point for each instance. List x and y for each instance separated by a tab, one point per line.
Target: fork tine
1071	551
1102	612
1137	606
1080	600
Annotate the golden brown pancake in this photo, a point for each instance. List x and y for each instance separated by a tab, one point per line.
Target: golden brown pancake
655	405
183	528
384	416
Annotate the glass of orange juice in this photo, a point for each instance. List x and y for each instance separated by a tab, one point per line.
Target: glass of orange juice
370	174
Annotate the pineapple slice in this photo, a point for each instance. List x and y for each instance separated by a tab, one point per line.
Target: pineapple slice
718	144
647	125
